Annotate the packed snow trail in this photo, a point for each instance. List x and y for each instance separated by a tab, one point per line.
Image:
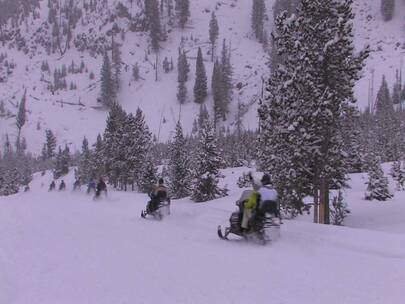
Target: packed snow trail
66	248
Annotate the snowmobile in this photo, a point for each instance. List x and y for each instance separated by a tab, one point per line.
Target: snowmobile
259	223
157	208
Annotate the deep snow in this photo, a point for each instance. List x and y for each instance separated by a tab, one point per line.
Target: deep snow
66	248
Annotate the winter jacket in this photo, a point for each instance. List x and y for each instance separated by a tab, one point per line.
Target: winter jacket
160	193
251	203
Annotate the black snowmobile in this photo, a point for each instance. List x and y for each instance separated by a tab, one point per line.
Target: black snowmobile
260	221
157	207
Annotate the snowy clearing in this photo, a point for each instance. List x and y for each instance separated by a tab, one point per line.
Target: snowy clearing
66	248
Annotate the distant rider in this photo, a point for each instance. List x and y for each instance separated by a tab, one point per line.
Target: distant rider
62	185
101	187
158	195
52	186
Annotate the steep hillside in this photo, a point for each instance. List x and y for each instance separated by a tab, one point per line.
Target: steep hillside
72	114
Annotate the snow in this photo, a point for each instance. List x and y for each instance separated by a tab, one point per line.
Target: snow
66	248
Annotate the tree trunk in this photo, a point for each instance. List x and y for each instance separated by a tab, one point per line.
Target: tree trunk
316	204
324	205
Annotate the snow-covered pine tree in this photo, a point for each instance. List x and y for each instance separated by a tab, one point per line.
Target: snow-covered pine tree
226	71
204	186
351	135
377	184
258	18
84	167
339	210
213	33
179	172
153	17
65	161
142	145
200	86
50	144
300	119
203	115
135	72
183	12
386	124
396	91
387	9
116	63
97	163
182	68
398	174
57	171
148	175
217	92
21	118
112	144
108	94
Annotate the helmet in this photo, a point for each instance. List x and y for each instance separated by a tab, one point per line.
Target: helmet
265	179
161	182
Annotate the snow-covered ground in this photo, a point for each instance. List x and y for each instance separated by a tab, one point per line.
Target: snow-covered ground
66	248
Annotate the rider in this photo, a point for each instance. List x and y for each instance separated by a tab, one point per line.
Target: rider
265	195
158	195
101	186
52	186
62	185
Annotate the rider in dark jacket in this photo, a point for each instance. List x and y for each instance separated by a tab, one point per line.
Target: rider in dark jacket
101	187
158	195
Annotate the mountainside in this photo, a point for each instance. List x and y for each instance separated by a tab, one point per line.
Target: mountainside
74	112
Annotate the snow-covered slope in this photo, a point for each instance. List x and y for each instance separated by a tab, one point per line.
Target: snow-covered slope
81	117
67	248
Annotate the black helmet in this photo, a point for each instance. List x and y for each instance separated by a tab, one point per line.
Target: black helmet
266	179
161	182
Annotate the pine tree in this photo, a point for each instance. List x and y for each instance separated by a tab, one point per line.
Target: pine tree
21	118
203	116
300	141
97	164
396	91
226	71
147	175
183	68
108	95
386	124
398	174
84	168
377	185
258	17
183	12
204	185
351	135
217	92
57	171
50	144
200	86
116	64
114	156
387	9
153	17
213	33
142	145
179	166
